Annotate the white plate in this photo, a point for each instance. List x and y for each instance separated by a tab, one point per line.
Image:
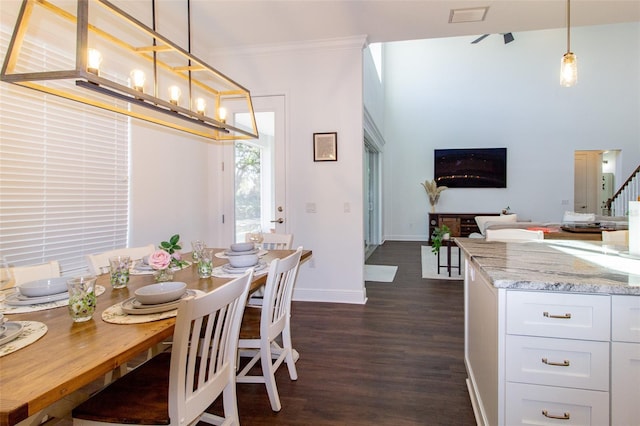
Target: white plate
133	307
45	287
17	299
141	266
13	331
3	329
231	270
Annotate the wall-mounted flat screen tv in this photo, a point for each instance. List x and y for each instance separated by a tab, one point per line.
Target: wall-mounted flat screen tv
471	168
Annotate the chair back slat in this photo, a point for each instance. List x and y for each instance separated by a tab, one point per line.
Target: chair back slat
278	292
204	348
271	241
23	274
96	262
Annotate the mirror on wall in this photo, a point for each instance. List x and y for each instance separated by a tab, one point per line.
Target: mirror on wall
594	180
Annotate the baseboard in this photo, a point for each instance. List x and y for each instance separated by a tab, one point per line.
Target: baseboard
422	238
474	403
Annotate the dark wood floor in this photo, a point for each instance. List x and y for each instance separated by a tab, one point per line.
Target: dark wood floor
397	360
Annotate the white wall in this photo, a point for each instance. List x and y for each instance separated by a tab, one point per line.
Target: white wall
176	186
448	93
322	84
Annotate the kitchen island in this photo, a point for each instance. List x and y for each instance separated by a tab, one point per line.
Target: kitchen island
552	332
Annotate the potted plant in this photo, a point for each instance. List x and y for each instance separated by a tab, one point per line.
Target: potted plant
440	234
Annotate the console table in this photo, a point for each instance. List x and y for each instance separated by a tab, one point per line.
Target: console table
460	224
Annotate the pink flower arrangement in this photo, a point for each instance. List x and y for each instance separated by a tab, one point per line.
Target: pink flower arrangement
159	259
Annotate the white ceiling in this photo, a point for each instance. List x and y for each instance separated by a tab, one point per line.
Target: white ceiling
225	23
219	24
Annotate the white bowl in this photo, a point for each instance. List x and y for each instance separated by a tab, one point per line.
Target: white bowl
160	293
243	261
242	247
44	287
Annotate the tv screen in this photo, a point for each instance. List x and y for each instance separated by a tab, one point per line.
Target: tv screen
471	168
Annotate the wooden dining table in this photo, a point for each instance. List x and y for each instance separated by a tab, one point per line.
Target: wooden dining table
72	355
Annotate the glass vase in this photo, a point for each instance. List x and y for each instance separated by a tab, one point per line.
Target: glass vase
82	297
162	275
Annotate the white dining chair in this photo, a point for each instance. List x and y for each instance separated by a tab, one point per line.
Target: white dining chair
271	241
261	326
177	387
24	274
513	235
96	262
620	237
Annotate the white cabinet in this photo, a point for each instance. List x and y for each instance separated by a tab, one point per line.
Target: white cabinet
579	364
625	361
557	358
544	405
547	357
563	315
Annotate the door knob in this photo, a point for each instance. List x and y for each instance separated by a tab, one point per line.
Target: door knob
278	220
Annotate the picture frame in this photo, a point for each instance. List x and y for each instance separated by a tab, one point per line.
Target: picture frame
325	146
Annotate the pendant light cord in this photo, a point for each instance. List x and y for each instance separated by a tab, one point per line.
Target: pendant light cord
568	26
189	45
155	64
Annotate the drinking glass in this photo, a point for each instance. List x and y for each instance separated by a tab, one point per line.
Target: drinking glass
205	263
82	297
198	246
119	269
6	276
255	236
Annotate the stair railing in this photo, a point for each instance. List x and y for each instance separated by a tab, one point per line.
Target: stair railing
629	191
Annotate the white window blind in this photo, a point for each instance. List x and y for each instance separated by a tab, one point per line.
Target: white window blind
64	173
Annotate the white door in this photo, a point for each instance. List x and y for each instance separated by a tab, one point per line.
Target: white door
587	174
255	184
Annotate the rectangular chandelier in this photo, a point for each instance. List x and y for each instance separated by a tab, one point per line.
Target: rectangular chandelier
117	63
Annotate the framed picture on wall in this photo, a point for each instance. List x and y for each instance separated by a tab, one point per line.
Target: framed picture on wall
325	146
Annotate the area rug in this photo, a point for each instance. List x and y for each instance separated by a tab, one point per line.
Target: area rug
430	264
380	273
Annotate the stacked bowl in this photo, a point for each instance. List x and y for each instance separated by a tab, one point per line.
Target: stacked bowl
242	256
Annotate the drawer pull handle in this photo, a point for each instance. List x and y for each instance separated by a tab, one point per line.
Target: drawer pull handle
564	363
565	316
565	416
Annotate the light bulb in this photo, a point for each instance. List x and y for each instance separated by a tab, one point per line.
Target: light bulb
94	59
137	80
174	94
200	105
222	113
569	70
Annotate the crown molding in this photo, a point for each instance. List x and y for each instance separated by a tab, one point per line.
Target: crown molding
354	42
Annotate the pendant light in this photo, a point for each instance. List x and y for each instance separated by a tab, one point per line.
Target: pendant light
110	45
569	65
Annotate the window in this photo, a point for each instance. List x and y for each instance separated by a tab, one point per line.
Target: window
64	172
376	53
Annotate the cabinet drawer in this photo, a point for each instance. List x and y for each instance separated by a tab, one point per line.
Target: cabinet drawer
625	319
545	405
551	314
557	362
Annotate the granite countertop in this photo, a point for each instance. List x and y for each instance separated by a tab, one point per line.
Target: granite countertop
555	265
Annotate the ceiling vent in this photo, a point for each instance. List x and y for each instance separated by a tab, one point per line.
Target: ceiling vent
475	14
